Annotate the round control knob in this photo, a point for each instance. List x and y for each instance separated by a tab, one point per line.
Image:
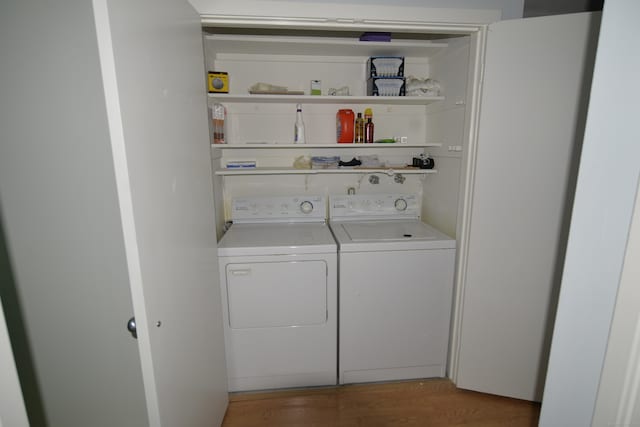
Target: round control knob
306	207
400	204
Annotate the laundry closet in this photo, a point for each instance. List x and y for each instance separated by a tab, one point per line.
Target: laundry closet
387	309
503	134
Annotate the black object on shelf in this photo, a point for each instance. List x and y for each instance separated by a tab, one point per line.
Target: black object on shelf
352	162
423	162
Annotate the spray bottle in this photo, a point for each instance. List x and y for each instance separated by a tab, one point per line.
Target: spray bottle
298	129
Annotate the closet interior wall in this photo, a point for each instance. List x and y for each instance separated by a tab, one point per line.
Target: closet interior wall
261	56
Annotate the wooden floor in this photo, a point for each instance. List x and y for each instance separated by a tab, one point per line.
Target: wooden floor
432	403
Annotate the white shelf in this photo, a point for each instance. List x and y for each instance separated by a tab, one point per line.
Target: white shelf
271	146
322	46
291	171
324	99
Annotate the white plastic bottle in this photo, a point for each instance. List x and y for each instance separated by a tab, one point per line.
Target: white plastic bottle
298	129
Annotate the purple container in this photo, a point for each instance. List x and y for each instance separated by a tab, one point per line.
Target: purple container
375	37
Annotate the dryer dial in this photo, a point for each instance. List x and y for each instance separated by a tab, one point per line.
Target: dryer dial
306	207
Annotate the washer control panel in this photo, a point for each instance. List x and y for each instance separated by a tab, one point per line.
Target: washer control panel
278	209
374	206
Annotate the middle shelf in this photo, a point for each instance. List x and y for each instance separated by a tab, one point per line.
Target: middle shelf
273	154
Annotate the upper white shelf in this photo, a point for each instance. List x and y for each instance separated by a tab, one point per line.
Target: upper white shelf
323	46
323	99
271	146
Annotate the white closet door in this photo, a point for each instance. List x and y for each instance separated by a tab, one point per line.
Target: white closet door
12	409
153	73
536	82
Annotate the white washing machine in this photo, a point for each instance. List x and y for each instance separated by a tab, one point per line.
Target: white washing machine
395	289
278	273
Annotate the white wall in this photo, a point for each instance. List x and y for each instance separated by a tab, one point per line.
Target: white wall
510	9
465	11
606	189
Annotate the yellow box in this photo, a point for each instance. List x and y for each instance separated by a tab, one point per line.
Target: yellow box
218	82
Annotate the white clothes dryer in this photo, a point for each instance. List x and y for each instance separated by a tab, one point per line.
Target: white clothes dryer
278	273
395	289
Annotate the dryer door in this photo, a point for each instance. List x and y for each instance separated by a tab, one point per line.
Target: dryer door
277	294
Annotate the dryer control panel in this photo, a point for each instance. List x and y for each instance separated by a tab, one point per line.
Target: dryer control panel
374	206
279	209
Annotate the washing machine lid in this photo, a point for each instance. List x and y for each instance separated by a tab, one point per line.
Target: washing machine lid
277	239
356	236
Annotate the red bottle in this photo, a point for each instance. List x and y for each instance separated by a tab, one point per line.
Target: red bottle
344	126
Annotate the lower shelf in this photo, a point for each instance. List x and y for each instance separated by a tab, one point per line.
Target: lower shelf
291	171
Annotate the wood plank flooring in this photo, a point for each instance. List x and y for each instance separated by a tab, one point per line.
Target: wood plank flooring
433	403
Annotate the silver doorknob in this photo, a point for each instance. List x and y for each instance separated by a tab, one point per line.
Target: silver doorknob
131	327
